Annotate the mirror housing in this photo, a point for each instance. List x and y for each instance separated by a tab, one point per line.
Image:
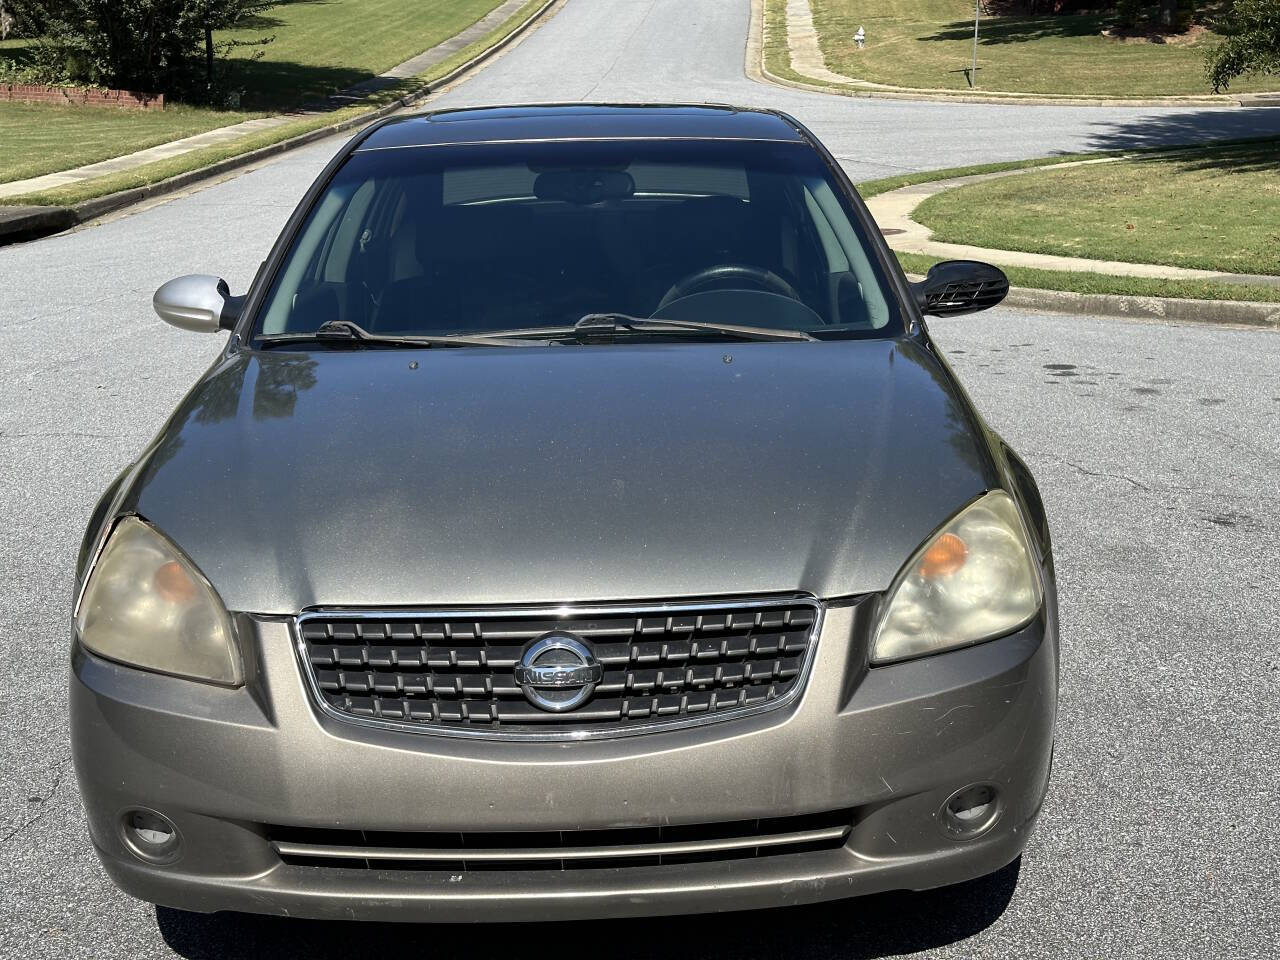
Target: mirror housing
197	302
954	287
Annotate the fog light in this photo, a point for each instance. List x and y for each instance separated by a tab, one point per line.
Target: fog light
150	836
970	811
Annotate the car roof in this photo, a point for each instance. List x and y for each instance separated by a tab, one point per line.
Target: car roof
579	121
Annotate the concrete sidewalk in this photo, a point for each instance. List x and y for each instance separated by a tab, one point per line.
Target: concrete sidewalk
223	135
892	211
806	55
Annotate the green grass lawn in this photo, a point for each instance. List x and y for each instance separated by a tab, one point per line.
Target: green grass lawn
37	138
321	46
921	43
163	169
1215	208
40	139
871	188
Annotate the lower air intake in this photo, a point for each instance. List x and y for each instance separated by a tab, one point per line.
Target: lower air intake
560	849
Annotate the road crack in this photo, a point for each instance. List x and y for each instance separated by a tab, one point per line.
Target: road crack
42	799
1137	484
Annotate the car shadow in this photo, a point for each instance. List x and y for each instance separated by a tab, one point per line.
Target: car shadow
883	925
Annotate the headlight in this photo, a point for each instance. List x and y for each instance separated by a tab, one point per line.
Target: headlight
148	606
975	579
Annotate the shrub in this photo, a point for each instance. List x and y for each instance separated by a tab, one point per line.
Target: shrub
156	46
1167	16
1130	13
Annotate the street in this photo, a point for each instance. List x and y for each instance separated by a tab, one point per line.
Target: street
1156	446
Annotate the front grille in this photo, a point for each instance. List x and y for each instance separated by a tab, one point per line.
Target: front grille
448	672
560	849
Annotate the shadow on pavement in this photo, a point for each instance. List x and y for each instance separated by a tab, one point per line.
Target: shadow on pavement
1261	157
1185	127
878	926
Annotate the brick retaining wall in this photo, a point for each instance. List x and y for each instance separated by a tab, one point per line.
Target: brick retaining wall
83	96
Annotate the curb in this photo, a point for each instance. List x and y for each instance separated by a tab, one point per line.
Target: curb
1236	312
1246	313
758	70
1033	100
20	224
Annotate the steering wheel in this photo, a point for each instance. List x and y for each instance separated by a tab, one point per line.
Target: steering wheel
708	276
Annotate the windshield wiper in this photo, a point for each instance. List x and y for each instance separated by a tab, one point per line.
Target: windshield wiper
605	326
339	331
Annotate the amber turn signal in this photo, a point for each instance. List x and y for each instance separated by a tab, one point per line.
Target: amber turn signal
946	555
174	583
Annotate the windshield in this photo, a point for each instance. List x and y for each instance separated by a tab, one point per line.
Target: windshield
430	241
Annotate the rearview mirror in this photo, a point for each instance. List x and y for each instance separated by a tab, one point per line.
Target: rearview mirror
953	287
197	302
583	187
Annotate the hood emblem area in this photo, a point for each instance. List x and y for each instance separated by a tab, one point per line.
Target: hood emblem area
558	672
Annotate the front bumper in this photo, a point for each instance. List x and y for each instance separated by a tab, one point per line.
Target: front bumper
891	743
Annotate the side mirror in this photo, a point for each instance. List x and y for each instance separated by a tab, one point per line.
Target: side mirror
953	287
197	302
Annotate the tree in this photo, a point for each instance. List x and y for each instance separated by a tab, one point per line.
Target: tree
26	18
157	46
1175	15
135	44
1252	45
1130	13
220	15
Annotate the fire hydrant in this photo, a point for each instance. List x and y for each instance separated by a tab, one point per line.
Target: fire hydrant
860	38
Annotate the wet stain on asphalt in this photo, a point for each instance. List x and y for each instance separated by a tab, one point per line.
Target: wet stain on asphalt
1230	519
1059	366
1146	390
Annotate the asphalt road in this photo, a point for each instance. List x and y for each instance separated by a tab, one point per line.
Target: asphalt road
1155	445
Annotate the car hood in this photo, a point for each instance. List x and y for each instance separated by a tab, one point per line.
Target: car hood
568	473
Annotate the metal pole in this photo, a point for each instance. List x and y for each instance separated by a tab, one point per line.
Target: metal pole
973	75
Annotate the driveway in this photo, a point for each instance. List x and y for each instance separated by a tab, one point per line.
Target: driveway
1156	447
